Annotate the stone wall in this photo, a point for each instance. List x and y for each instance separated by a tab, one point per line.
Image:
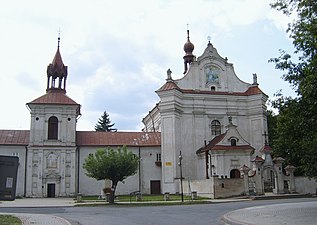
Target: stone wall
215	187
305	186
225	188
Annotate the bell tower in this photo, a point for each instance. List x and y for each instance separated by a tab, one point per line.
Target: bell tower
51	159
57	73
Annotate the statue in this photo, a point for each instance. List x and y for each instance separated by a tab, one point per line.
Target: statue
169	75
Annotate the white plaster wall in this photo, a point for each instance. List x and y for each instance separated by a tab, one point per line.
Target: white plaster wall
202	187
223	161
149	171
66	115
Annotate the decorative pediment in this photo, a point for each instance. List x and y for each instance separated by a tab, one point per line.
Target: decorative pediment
52	176
230	140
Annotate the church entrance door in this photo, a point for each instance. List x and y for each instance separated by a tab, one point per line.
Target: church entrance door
51	190
155	187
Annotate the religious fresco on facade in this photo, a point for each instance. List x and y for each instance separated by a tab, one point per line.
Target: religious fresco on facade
212	74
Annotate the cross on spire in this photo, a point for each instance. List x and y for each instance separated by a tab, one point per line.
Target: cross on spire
265	138
59	37
209	39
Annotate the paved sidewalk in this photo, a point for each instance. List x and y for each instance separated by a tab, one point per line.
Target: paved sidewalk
39	202
39	219
278	214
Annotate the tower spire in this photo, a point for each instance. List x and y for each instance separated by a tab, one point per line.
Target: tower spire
57	72
188	48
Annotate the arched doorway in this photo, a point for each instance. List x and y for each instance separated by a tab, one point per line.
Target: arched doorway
269	179
234	173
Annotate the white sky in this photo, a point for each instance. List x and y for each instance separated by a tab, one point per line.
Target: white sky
117	52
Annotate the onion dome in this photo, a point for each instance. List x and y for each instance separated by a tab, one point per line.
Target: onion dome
188	46
189	57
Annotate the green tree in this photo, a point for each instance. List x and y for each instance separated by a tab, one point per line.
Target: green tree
104	124
110	164
297	119
271	126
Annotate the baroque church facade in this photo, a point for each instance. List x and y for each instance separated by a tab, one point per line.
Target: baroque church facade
199	107
209	121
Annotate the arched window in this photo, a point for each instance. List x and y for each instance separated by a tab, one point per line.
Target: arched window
233	142
215	127
234	173
213	88
52	128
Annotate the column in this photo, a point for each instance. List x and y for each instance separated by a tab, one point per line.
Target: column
245	170
290	170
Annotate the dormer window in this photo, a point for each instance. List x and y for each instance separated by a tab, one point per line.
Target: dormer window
52	128
233	142
213	88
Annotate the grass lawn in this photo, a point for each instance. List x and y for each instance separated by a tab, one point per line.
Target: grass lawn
9	220
145	198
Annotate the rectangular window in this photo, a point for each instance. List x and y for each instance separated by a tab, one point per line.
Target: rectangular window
158	157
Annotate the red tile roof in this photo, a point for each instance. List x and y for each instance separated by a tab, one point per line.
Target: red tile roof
266	148
213	145
229	147
94	138
170	85
57	61
90	138
14	137
54	96
258	159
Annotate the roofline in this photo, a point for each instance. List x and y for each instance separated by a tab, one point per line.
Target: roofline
47	103
14	144
118	145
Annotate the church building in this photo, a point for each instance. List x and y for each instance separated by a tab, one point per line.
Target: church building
208	127
203	104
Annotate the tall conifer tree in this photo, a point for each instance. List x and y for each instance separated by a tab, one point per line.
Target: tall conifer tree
104	124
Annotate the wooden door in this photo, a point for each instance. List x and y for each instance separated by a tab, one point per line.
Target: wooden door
155	187
51	190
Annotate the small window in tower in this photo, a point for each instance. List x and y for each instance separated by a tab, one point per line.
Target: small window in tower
158	157
215	127
52	128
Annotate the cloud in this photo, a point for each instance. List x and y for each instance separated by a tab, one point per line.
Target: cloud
117	52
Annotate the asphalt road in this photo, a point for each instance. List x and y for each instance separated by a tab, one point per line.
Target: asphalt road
205	214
